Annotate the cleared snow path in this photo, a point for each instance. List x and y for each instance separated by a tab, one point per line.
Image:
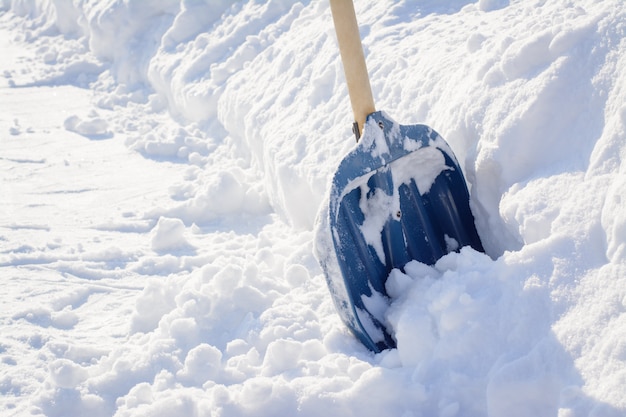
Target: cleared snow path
72	225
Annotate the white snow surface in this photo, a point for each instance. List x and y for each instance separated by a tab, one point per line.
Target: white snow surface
162	164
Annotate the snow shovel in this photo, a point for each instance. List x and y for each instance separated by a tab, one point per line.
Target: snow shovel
398	196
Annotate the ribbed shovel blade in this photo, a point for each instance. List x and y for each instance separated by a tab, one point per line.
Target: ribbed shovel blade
398	196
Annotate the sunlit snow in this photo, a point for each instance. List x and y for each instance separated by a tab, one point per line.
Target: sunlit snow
163	162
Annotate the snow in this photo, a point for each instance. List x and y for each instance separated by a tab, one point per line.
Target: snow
163	164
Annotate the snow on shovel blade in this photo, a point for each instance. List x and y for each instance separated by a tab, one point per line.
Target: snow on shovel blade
398	196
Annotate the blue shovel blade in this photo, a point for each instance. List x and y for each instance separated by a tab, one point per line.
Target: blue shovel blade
398	196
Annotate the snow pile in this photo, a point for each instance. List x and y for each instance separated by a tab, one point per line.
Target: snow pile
166	268
168	235
93	126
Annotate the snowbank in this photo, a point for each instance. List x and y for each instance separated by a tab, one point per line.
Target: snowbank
249	99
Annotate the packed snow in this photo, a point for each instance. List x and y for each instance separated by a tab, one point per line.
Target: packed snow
163	163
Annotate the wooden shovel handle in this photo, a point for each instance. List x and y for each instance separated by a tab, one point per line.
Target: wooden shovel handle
353	61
